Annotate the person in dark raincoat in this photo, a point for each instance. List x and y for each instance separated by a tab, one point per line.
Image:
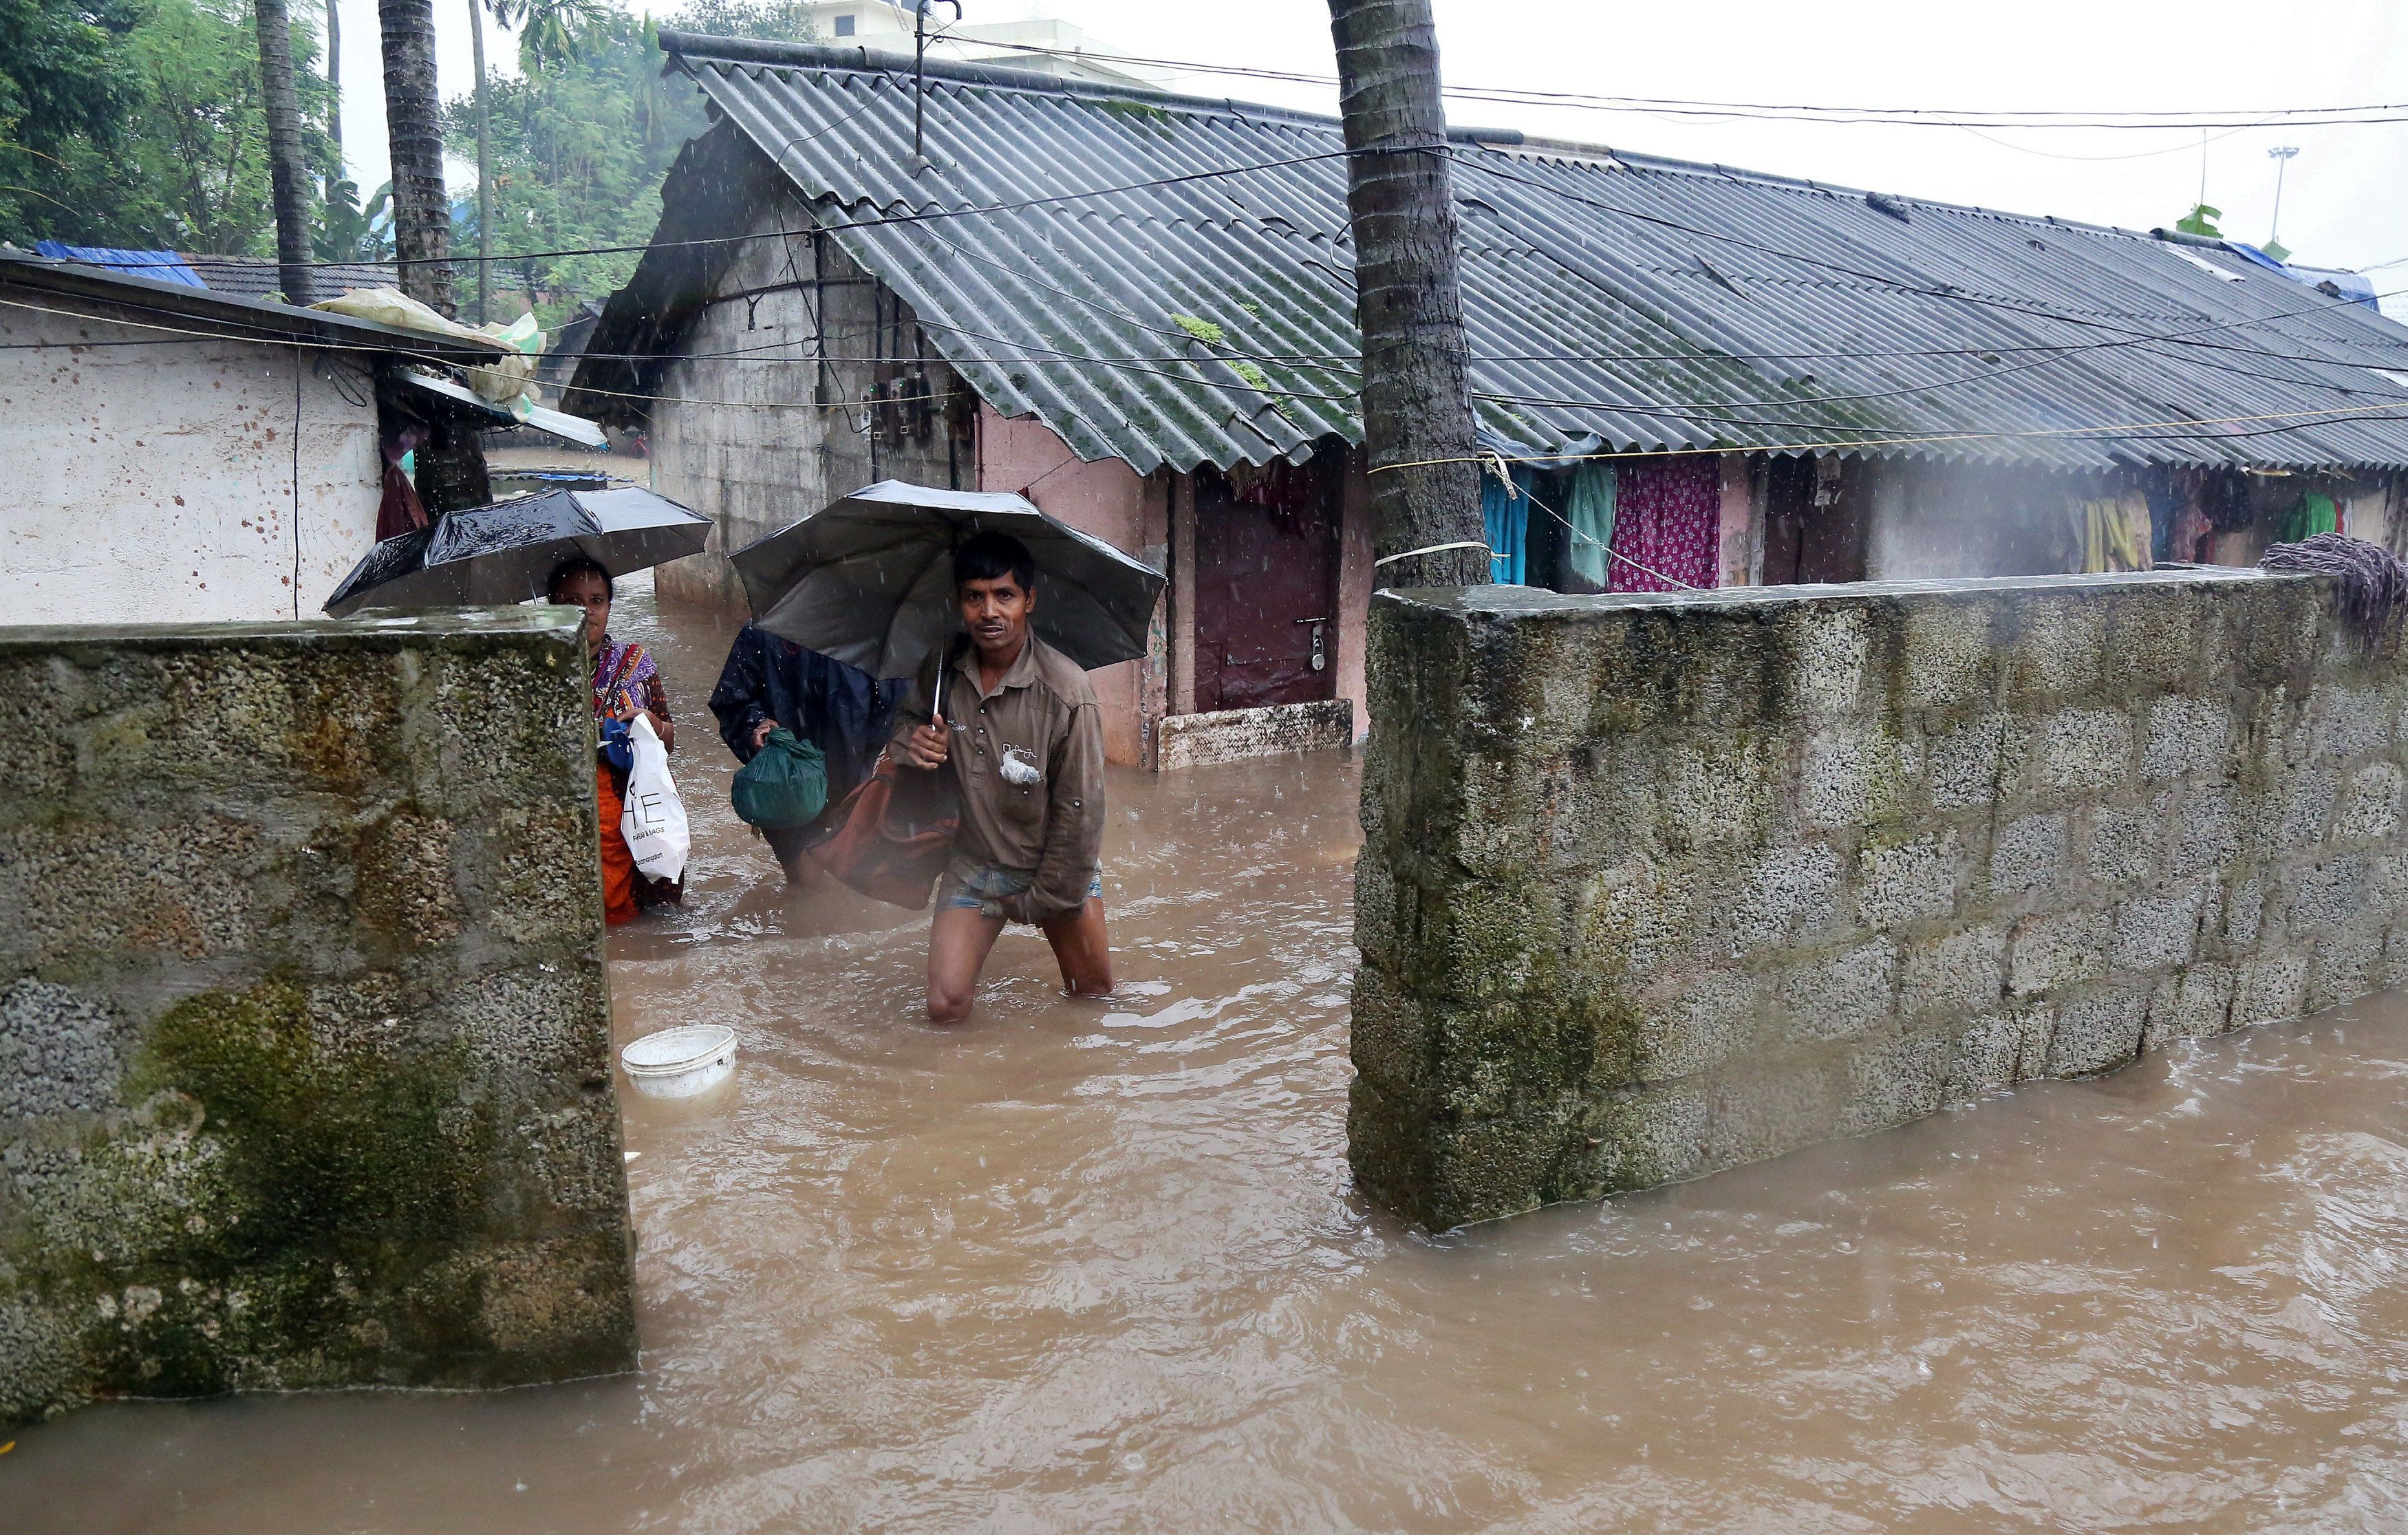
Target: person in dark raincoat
770	682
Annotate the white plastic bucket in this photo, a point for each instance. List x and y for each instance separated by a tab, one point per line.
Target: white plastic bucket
680	1062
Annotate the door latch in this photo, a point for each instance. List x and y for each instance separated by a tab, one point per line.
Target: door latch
1320	650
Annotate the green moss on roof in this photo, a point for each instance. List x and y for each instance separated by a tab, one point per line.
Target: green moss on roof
1138	111
1203	330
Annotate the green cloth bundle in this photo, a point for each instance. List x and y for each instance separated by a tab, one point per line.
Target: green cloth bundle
784	786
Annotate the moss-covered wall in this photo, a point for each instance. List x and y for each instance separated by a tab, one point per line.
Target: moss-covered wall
1657	884
305	1071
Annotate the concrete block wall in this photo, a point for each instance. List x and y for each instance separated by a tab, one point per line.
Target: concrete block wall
765	413
305	1069
1654	885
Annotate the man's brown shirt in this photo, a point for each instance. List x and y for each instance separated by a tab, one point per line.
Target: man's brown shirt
1043	712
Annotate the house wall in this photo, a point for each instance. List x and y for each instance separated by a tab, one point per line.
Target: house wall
305	1025
1357	535
1742	552
768	404
164	483
1938	520
1654	885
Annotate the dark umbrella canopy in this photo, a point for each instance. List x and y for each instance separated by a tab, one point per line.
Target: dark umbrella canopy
504	552
869	579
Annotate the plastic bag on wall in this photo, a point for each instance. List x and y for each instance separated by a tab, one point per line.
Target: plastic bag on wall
508	378
655	823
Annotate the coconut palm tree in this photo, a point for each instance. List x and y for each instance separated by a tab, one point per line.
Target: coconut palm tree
547	29
287	173
422	212
1407	294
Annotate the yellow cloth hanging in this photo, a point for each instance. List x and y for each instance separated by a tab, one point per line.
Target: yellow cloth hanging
2113	534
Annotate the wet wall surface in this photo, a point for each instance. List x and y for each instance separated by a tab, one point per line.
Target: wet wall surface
1097	1266
304	1046
1656	886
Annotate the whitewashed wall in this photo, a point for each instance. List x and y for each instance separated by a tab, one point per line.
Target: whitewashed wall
159	483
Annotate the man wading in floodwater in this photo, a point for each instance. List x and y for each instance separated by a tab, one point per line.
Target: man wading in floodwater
1021	737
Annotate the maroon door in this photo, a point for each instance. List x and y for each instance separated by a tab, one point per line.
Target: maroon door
1814	519
1265	597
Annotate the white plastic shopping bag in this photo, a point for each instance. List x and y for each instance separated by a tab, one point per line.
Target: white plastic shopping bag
654	823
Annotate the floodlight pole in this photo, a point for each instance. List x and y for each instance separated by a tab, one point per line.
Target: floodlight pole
2282	158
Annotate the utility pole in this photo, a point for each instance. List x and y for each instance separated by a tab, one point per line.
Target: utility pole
335	85
920	70
1417	423
2282	158
484	171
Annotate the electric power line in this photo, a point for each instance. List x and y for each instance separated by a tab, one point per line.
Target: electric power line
2180	118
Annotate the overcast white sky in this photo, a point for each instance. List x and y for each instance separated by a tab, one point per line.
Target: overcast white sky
2343	203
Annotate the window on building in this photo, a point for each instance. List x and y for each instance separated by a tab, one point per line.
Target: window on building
844	26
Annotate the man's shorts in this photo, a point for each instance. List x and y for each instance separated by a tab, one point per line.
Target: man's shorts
983	888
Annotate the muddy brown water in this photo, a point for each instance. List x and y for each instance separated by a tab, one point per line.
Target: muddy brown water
1089	1265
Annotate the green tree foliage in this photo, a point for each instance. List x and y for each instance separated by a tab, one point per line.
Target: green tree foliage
583	140
139	122
580	146
68	85
549	30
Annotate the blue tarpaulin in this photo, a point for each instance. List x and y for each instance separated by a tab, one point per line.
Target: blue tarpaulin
2353	286
159	265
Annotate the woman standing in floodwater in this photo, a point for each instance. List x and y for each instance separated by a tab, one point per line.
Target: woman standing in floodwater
625	682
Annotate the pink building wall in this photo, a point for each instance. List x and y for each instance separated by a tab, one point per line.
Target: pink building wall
1354	551
1738	542
1152	518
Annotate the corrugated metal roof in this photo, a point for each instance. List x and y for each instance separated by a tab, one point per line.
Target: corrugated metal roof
1170	283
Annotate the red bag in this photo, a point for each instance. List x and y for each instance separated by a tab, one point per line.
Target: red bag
895	834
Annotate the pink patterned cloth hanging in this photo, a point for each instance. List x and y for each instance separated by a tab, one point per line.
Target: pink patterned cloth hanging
1667	524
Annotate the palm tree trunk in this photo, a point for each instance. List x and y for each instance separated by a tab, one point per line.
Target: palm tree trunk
484	173
287	172
1407	297
421	212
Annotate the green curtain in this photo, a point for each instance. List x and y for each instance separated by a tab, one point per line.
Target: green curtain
2314	515
1591	515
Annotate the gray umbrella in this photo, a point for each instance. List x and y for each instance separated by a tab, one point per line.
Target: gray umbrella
505	552
869	579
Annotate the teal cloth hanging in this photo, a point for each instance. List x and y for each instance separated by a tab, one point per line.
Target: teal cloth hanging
1505	518
1591	515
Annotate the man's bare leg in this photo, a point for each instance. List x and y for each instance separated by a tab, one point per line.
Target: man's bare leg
1083	950
959	942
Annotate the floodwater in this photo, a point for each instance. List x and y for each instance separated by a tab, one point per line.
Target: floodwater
1097	1266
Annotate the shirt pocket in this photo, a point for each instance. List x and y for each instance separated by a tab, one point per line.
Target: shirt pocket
1022	804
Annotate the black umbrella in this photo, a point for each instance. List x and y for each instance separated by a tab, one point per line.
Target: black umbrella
869	579
505	552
